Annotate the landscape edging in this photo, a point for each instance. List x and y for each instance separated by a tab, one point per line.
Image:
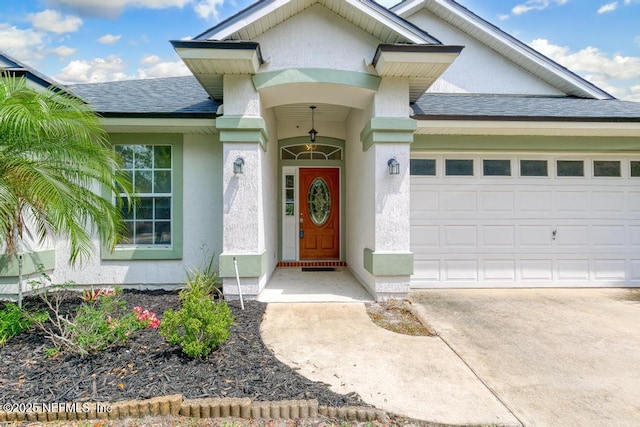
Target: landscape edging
213	407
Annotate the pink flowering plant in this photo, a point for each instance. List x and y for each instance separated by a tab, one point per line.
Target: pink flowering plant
146	318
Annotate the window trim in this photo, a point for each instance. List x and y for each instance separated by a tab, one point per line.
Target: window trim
147	252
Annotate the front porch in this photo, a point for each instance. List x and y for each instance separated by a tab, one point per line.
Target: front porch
314	284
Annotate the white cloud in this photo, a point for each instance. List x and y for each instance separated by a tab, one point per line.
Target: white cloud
503	17
53	21
164	69
609	7
109	39
208	8
94	70
149	60
113	8
64	51
24	45
615	73
530	5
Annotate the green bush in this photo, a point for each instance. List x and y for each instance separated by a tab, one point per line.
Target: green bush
14	320
96	324
201	324
101	324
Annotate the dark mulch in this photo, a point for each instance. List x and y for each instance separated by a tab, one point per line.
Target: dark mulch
147	366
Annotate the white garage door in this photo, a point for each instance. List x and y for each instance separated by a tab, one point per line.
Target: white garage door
492	221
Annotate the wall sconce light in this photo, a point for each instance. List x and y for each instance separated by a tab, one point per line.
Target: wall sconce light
238	165
394	166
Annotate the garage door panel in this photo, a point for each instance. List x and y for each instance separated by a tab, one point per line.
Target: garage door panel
497	201
609	269
634	269
607	201
427	202
572	236
499	270
498	236
461	270
536	269
536	235
608	235
534	201
460	201
571	201
634	235
633	201
425	236
460	236
428	270
573	269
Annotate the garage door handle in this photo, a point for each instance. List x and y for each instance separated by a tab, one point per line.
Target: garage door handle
554	234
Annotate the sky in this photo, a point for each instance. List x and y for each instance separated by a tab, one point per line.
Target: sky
82	41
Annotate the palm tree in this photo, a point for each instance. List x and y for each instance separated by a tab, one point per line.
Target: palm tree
55	159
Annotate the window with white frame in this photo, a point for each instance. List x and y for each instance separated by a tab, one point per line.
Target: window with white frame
150	169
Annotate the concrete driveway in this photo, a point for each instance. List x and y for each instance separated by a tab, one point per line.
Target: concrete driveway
551	356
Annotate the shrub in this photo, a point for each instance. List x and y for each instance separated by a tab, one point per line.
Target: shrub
14	320
201	324
98	323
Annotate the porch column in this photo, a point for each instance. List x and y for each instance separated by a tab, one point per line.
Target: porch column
244	136
390	261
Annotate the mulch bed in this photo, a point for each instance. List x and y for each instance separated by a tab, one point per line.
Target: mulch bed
147	366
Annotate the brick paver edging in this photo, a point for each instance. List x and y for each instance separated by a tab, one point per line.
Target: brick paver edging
196	408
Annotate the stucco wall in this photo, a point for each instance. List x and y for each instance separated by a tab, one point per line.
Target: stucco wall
478	69
202	224
360	212
319	38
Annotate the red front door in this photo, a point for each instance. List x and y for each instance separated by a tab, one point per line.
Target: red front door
319	213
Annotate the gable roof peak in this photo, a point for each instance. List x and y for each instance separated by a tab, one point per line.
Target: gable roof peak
266	14
505	44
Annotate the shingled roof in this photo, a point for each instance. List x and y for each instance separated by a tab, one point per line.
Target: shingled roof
164	97
438	106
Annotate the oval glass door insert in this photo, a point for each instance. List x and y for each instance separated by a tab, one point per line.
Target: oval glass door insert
319	201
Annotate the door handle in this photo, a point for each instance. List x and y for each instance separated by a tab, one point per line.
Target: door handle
301	233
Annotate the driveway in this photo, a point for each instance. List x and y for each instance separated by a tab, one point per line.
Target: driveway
551	356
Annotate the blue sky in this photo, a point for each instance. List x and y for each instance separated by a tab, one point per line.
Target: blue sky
77	41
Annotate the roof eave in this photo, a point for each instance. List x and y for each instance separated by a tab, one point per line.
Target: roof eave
528	127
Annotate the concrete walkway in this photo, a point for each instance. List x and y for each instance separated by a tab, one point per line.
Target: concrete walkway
561	357
418	377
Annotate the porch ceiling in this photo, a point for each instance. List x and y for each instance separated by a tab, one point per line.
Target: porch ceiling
302	113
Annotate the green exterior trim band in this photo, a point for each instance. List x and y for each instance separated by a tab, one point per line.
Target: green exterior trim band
525	143
243	129
388	130
388	263
249	265
316	75
148	253
32	262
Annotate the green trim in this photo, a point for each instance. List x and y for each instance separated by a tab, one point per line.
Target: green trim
388	264
525	143
249	265
316	75
177	220
388	130
243	129
32	262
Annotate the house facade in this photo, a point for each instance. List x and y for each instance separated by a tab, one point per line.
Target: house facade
419	146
